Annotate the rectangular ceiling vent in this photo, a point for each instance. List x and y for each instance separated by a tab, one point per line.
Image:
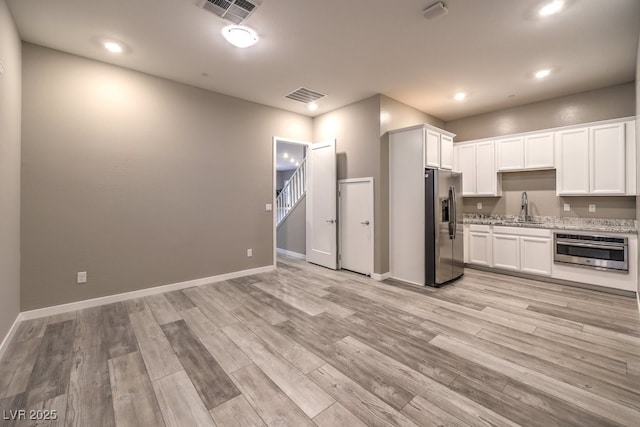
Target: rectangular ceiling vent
305	95
236	11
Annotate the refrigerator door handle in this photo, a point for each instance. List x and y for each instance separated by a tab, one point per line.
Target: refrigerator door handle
452	215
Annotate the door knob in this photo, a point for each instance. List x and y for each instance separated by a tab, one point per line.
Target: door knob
365	222
331	221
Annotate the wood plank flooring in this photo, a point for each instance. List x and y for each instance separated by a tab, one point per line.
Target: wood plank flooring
308	346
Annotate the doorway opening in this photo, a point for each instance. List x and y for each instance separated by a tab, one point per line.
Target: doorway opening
289	197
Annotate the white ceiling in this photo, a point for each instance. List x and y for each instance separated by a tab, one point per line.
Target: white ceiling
292	151
352	49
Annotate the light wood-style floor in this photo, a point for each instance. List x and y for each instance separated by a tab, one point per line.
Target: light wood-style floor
308	346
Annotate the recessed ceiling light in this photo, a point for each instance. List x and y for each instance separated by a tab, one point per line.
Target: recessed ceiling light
551	8
312	106
285	155
240	36
297	163
113	47
541	74
292	160
460	96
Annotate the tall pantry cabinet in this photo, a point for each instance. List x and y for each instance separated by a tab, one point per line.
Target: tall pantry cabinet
411	150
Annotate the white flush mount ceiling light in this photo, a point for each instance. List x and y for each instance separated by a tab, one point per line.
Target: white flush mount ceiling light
240	35
541	74
113	47
460	96
551	8
312	106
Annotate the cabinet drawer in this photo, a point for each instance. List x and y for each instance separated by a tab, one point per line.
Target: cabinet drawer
521	231
480	228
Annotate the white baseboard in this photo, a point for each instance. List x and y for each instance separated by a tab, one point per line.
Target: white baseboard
380	277
291	254
79	305
10	334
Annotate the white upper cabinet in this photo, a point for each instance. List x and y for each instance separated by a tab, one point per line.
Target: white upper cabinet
477	162
572	176
446	152
529	152
486	175
466	163
539	151
607	152
431	149
594	160
510	154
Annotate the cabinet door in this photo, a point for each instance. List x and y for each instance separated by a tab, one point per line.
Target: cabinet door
535	255
510	154
572	174
467	166
539	151
432	149
506	251
480	248
486	175
446	152
466	243
607	153
630	139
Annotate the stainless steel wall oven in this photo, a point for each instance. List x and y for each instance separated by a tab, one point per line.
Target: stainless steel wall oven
595	251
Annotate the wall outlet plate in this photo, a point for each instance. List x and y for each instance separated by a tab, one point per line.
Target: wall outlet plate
592	208
268	207
567	207
249	252
81	277
479	205
2	68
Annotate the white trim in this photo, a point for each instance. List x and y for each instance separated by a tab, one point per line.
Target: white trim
368	180
79	305
381	277
291	254
12	331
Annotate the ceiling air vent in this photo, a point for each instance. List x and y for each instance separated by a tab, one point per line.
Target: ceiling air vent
236	11
305	95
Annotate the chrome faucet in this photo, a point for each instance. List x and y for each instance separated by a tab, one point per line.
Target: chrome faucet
524	207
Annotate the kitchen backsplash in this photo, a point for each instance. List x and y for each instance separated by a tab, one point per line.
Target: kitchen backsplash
541	191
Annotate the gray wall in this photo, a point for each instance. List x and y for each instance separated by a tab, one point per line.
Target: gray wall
541	192
126	176
292	232
607	103
638	151
601	104
362	146
10	110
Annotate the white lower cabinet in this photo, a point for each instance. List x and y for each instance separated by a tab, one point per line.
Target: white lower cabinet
536	255
480	245
527	250
506	251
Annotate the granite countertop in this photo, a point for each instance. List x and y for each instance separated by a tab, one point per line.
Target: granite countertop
556	223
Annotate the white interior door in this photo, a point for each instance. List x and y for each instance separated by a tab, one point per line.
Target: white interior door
356	225
321	205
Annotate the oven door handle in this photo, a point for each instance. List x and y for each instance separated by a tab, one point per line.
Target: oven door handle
594	245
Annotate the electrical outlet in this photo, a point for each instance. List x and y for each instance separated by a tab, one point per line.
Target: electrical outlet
249	252
479	205
592	208
81	277
567	207
268	207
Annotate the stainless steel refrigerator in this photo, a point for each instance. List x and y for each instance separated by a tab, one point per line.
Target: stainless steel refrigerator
444	232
